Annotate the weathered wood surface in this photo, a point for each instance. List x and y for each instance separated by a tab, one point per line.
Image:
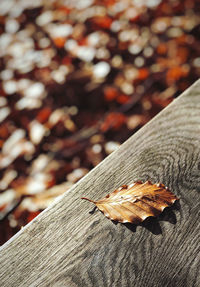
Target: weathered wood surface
67	246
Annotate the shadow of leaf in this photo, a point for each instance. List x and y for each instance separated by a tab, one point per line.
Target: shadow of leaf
152	223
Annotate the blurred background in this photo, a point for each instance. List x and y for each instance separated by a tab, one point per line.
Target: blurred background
77	78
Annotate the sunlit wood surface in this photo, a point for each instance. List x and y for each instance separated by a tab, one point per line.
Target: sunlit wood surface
67	246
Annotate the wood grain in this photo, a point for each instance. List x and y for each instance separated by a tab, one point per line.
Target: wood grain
67	246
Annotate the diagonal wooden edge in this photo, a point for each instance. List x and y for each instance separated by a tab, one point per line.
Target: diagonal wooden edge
66	246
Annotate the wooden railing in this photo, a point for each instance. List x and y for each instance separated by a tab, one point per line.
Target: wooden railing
67	246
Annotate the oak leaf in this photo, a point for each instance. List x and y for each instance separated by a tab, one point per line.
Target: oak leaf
135	202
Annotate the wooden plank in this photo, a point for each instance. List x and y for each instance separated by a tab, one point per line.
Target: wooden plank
67	246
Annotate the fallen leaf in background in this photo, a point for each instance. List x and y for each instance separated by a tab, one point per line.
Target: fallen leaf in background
135	202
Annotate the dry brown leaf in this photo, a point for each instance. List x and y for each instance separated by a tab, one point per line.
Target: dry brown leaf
135	202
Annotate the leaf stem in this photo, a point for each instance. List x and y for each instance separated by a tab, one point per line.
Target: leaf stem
88	199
